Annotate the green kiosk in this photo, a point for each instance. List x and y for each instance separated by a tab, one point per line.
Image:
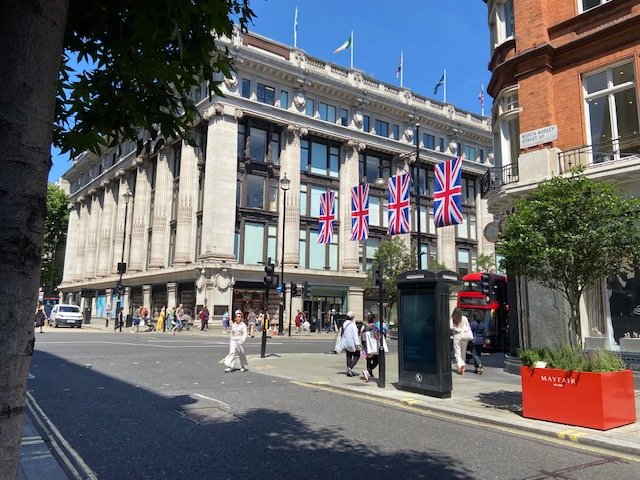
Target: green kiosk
424	352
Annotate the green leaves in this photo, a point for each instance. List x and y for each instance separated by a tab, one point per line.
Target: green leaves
140	67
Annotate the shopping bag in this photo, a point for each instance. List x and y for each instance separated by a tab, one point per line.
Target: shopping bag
338	346
371	343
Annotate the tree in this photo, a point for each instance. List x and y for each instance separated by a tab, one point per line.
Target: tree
396	259
55	235
569	234
485	263
147	59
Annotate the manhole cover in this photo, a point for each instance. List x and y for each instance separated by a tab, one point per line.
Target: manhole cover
209	415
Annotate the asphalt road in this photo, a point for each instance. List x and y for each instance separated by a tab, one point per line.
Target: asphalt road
160	407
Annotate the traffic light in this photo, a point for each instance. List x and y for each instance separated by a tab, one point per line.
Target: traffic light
269	270
485	284
377	275
306	290
294	289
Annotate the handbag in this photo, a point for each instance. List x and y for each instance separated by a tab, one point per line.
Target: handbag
372	344
466	335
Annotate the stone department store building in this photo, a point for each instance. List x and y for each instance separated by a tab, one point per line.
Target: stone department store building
203	221
565	87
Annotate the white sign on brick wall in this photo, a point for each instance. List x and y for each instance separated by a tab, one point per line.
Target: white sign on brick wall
538	137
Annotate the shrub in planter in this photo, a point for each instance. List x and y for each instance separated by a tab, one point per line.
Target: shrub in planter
577	388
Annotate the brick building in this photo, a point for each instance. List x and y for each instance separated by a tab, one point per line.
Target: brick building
565	87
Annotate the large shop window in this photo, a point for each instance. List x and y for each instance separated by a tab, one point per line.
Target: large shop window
260	143
318	256
368	249
623	292
258	191
612	112
254	243
319	158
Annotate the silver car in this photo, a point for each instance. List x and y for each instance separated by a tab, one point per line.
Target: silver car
64	315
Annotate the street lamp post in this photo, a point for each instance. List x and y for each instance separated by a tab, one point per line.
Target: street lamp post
122	266
418	196
285	184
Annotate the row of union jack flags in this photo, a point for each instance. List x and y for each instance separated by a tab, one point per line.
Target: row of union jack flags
447	204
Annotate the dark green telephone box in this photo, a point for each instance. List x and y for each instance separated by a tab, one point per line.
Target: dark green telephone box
424	355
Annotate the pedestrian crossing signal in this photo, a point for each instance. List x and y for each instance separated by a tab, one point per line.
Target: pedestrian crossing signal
306	290
294	289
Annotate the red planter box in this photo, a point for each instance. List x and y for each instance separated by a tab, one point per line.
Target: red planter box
586	399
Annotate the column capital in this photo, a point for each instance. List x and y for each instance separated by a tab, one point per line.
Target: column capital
120	173
297	130
358	146
238	114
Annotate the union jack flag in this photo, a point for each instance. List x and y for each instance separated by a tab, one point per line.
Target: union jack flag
447	199
360	212
327	217
398	209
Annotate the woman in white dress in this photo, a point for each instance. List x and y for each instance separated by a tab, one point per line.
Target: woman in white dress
236	343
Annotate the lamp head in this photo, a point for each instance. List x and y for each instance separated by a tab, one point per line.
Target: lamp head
285	183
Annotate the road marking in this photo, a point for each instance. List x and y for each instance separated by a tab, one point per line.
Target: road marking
56	439
570	434
476	423
409	401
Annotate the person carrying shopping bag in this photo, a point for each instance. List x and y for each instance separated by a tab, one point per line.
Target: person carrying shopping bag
236	344
461	332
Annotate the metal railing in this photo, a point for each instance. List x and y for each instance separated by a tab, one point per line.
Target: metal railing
496	177
599	153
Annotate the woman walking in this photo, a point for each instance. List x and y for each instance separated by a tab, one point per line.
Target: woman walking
370	337
236	343
461	335
351	343
161	318
477	328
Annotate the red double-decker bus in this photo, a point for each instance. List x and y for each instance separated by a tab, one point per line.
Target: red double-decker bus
484	296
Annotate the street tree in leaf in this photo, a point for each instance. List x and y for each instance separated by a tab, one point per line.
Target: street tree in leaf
147	59
569	234
396	258
55	235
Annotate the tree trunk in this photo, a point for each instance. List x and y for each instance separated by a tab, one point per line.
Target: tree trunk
31	39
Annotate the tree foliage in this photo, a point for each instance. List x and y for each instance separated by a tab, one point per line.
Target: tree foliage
569	234
55	232
486	263
396	259
144	63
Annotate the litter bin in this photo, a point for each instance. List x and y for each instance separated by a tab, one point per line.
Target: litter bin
87	316
424	358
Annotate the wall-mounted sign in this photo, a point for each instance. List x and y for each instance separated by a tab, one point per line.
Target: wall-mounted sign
538	137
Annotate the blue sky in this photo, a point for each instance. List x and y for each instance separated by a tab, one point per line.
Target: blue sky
433	34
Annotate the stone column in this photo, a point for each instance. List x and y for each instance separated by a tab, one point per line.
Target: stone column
146	297
108	294
356	301
119	234
290	164
172	295
92	234
349	172
219	210
72	243
187	204
126	303
140	220
161	212
82	239
446	247
105	240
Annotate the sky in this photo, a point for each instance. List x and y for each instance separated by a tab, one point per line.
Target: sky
433	35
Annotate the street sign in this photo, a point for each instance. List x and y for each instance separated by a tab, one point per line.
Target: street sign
86	293
279	288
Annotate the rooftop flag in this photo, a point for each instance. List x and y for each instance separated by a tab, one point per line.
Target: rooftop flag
438	85
399	71
295	29
345	45
447	197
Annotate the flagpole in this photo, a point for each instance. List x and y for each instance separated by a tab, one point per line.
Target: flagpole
401	67
482	106
351	48
445	85
295	29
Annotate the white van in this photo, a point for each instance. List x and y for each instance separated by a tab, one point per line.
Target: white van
64	315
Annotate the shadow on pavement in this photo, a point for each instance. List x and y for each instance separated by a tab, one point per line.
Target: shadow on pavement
502	400
122	430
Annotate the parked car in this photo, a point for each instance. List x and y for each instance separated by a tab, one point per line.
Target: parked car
64	315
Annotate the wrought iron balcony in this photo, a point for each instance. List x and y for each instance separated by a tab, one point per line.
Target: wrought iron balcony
600	153
496	177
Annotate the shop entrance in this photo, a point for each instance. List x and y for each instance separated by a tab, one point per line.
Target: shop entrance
319	310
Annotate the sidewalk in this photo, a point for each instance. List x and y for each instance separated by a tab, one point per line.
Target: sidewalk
493	398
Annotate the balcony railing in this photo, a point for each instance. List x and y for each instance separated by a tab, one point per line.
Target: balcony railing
600	153
496	177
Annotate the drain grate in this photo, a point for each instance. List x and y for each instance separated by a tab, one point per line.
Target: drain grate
209	415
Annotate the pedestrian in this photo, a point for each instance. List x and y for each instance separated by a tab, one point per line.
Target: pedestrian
107	315
251	321
179	319
299	319
478	330
236	344
461	331
351	343
135	324
204	319
225	321
41	316
119	319
161	319
260	321
370	336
